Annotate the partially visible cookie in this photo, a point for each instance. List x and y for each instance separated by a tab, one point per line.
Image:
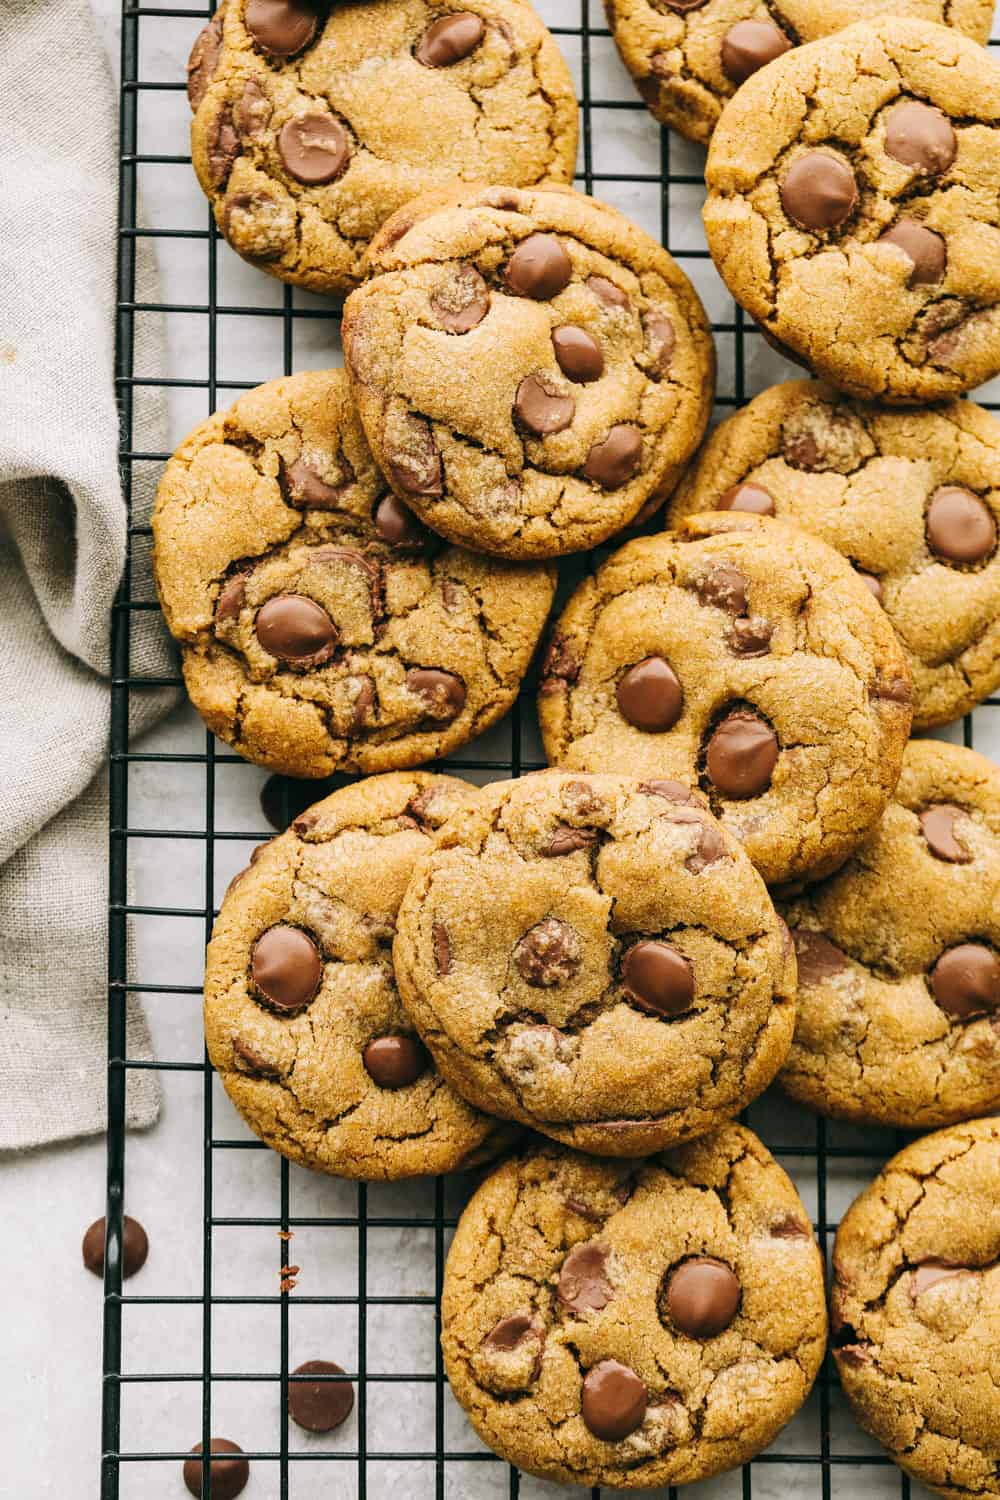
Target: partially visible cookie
634	1324
916	1309
531	369
911	498
852	208
744	656
315	122
303	1020
688	57
322	627
594	957
899	956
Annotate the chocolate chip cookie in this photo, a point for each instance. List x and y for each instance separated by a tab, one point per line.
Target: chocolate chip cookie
744	656
597	958
916	1307
322	627
689	56
531	369
302	1017
634	1324
911	498
899	956
313	123
852	208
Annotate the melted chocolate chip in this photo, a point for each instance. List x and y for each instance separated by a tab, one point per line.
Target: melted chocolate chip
702	1297
549	954
922	246
650	695
281	27
511	1332
960	526
443	694
612	1401
578	353
539	268
566	840
229	1473
295	629
253	111
929	1273
819	191
232	597
658	978
416	468
661	341
752	498
541	410
204	58
314	148
286	967
307	490
818	958
965	981
709	847
462	301
920	136
938	824
319	1405
442	948
872	584
741	755
725	587
398	526
790	1228
249	1060
614	461
750	635
748	46
583	1279
450	39
134	1247
394	1062
606	292
223	148
672	791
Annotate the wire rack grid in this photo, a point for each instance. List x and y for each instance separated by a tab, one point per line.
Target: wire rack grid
406	1436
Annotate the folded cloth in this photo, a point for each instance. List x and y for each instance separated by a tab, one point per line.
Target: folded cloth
62	550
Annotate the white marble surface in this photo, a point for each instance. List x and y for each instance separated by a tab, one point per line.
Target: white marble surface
51	1344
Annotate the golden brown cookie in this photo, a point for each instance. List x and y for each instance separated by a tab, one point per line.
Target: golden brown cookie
595	957
303	1021
911	498
531	369
916	1309
852	208
315	122
322	627
634	1324
745	656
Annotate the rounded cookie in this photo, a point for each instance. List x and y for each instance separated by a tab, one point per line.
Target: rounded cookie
634	1324
314	123
915	1309
322	627
911	498
303	1021
899	956
596	958
688	57
852	208
746	656
531	369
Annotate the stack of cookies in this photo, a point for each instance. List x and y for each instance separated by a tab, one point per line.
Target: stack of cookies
739	868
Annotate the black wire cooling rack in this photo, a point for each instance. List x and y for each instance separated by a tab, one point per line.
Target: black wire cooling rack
821	1456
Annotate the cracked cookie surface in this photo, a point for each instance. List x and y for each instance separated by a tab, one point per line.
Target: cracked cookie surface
322	627
852	208
303	1020
596	958
916	1309
634	1324
898	1017
531	369
745	656
688	57
314	123
911	498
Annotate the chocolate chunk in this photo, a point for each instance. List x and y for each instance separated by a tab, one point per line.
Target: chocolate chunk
462	300
752	498
134	1247
281	27
960	526
937	824
614	461
750	635
672	791
307	490
539	268
872	584
442	948
286	967
818	958
228	1473
583	1280
319	1405
613	1398
929	1273
748	45
394	1062
224	147
819	191
416	468
661	341
741	755
549	954
650	695
398	526
253	111
702	1297
566	840
204	58
578	353
314	148
283	799
926	249
443	693
295	629
725	587
232	597
921	136
606	292
513	1331
965	981
540	409
450	39
658	978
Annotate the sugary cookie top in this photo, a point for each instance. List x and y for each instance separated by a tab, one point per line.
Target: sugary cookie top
916	1309
530	368
314	122
303	1020
745	656
853	211
595	957
323	627
644	1323
899	956
911	498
